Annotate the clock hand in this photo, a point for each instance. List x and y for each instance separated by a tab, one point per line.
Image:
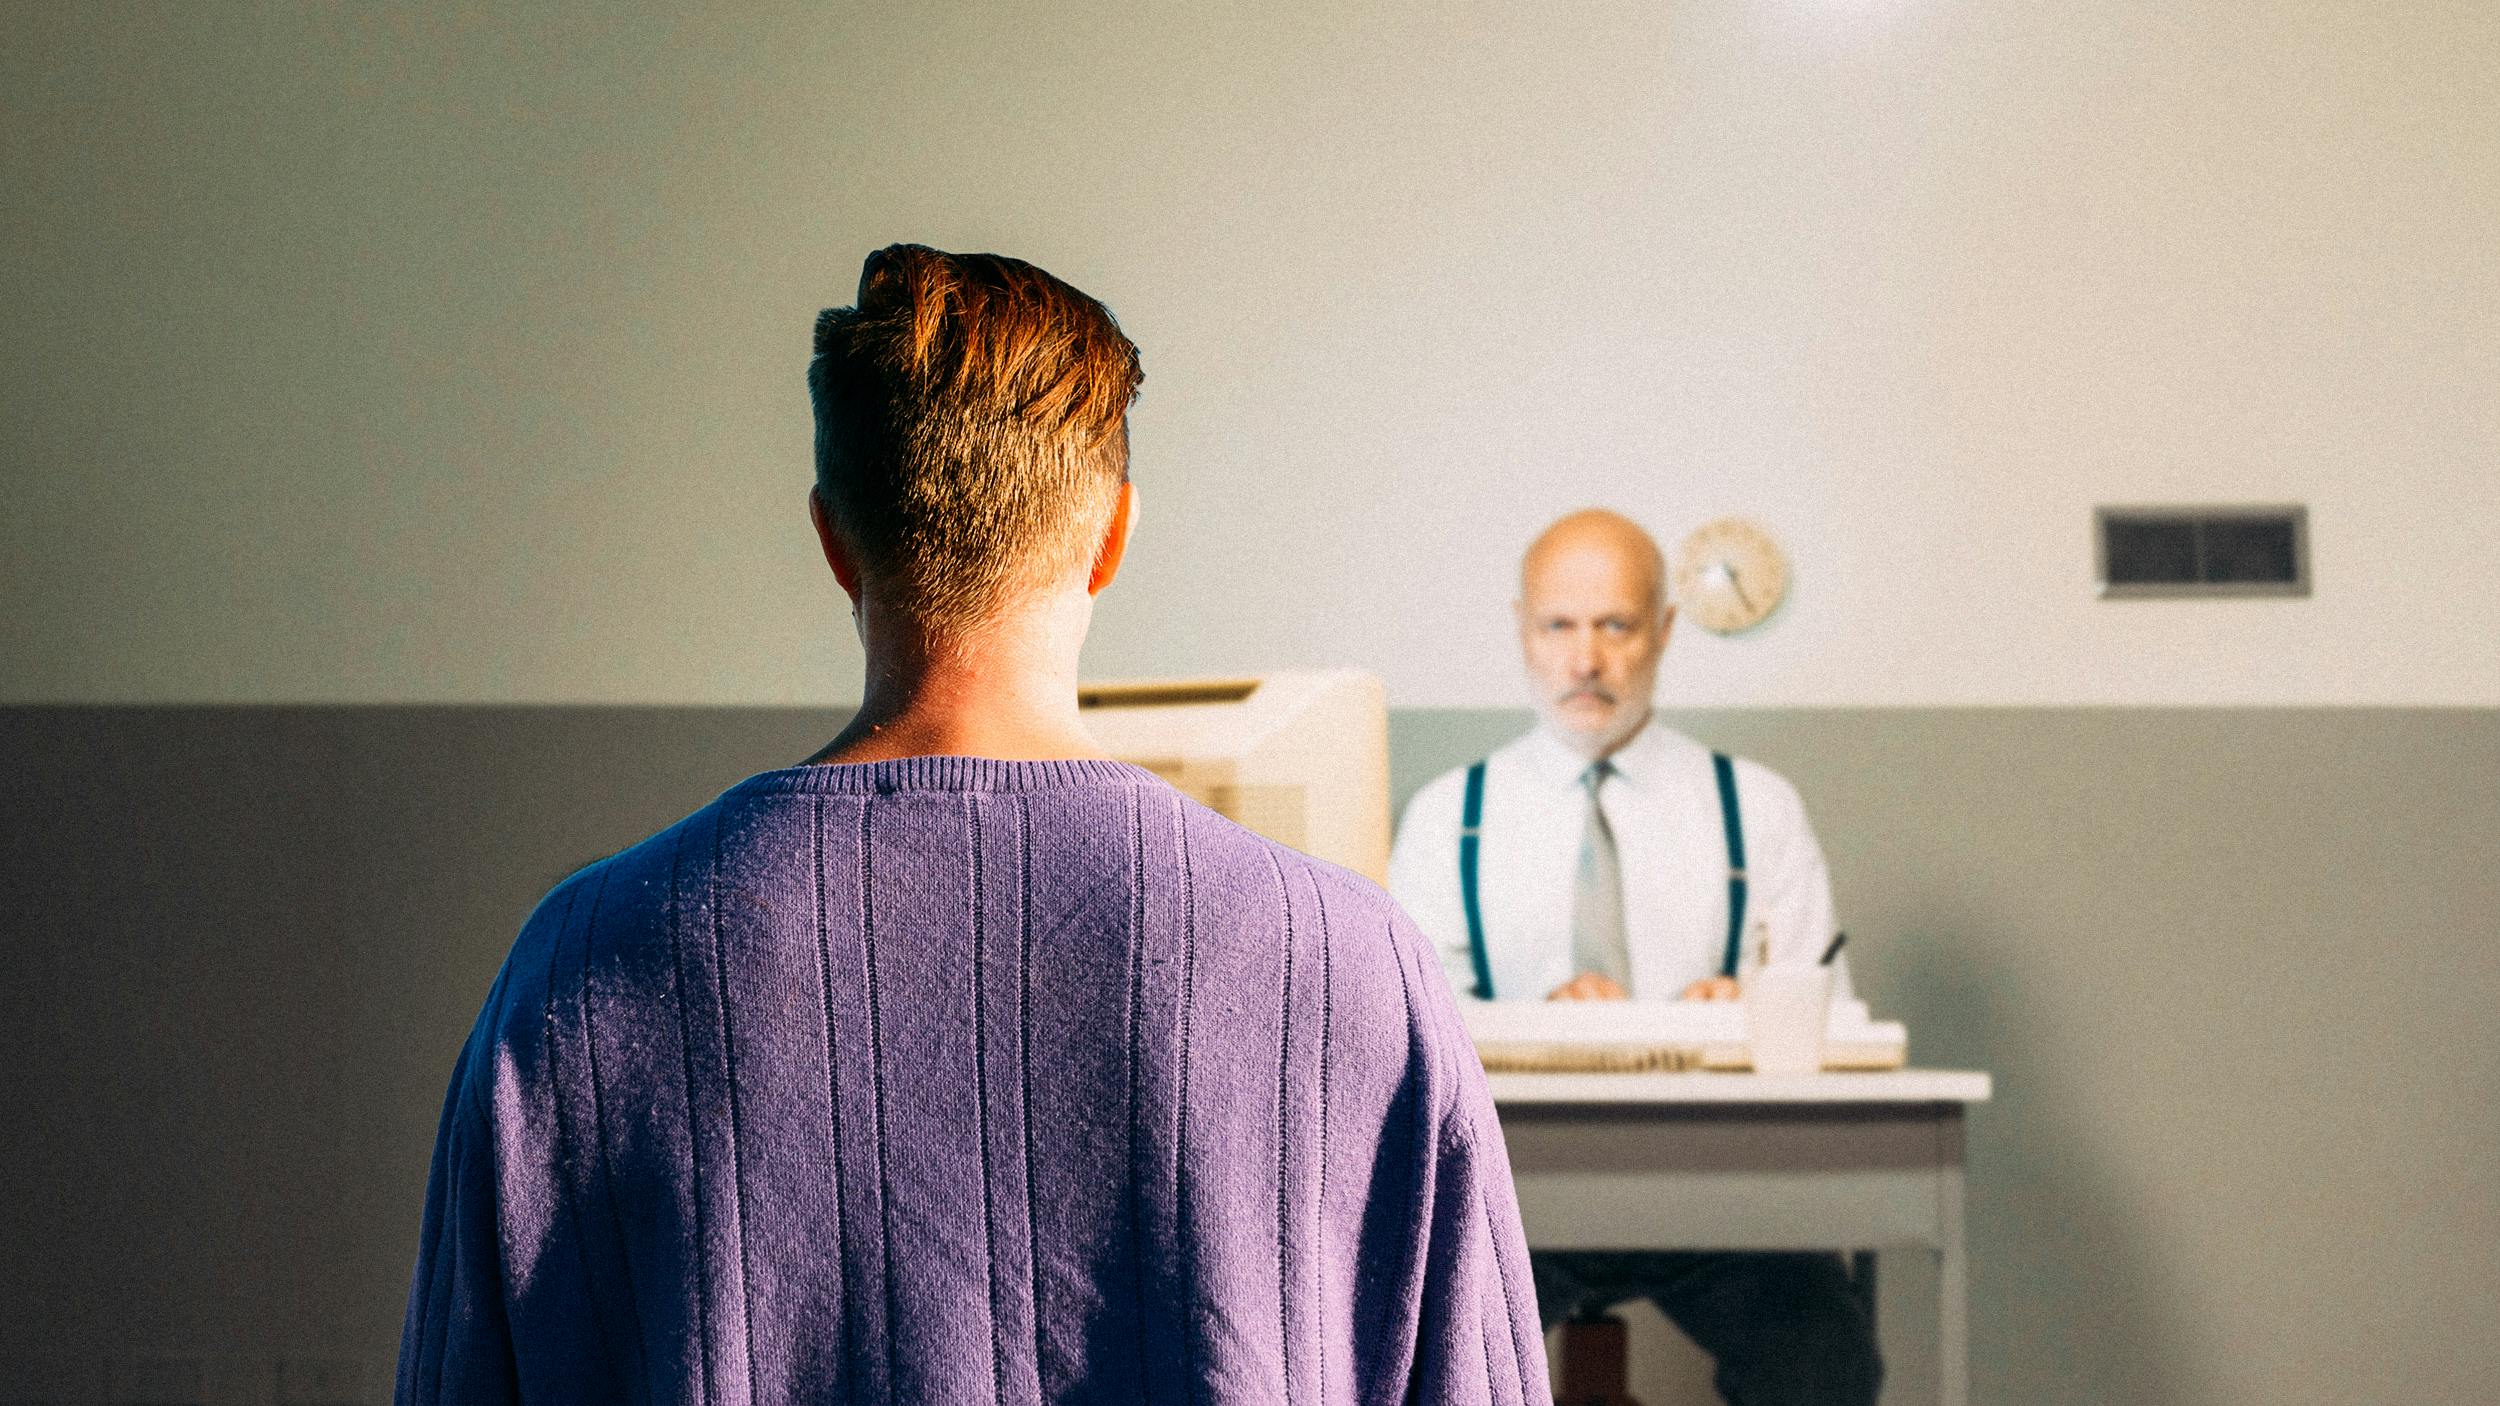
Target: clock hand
1736	585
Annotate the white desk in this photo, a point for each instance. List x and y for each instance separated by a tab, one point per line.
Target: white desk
1751	1162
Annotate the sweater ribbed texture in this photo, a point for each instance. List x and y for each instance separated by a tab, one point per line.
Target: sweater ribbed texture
947	1079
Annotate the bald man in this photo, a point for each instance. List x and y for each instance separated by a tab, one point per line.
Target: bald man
1597	858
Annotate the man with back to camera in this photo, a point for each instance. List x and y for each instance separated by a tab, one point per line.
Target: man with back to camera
1603	870
962	1063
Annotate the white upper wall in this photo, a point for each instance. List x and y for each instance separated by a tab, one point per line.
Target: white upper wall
458	358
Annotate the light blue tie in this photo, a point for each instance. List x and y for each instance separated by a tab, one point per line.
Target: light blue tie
1597	942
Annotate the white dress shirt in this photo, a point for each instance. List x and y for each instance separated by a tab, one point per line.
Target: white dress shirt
1663	805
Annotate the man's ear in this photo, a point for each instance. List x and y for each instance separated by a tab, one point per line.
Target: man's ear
1114	548
1666	624
837	555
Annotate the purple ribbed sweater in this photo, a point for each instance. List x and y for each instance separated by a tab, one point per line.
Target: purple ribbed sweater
946	1079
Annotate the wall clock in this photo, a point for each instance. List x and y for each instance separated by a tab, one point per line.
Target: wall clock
1729	575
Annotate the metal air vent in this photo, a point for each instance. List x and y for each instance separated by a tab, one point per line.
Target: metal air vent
2237	550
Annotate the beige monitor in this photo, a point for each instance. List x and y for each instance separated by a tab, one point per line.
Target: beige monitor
1300	756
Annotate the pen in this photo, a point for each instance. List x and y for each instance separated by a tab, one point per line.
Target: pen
1834	950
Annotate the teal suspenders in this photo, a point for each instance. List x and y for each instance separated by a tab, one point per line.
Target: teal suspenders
1734	824
1471	818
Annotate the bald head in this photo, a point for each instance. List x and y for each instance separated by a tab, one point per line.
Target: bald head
1595	539
1593	621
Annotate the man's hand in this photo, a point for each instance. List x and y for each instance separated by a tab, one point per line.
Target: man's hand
1588	986
1712	988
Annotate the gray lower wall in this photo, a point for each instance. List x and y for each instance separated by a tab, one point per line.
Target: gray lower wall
2235	972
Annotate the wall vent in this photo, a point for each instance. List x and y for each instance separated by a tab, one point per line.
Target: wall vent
2234	550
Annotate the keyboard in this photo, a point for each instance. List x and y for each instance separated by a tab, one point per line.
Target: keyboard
1521	1037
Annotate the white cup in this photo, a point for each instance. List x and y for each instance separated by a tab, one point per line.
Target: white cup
1786	1009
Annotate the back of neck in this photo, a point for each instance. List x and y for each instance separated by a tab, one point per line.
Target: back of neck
1010	695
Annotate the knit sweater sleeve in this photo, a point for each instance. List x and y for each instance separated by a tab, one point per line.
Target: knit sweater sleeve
1478	1338
456	1343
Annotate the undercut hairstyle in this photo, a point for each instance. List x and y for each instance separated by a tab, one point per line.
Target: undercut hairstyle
971	430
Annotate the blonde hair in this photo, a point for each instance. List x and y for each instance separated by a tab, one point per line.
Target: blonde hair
971	429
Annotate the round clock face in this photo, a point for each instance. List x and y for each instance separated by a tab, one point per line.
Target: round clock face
1729	575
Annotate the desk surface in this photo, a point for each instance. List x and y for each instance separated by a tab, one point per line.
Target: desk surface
1704	1086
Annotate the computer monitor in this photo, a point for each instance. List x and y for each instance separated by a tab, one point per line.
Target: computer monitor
1301	756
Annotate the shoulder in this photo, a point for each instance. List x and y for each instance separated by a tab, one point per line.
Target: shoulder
1382	974
610	924
641	878
1262	882
605	889
1760	786
1757	786
1226	853
1774	813
627	898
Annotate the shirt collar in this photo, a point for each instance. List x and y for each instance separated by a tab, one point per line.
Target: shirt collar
1643	761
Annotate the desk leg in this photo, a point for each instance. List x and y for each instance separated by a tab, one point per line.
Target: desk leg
1953	1270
